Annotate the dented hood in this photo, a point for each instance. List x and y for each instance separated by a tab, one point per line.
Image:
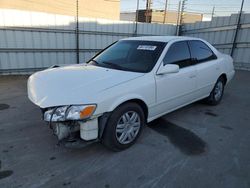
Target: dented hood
75	84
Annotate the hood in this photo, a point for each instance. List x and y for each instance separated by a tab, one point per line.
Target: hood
75	84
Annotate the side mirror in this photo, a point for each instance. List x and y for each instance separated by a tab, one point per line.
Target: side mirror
168	69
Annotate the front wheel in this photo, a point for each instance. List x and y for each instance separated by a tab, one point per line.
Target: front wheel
217	93
124	126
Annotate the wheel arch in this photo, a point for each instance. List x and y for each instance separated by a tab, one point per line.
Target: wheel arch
137	100
224	77
104	118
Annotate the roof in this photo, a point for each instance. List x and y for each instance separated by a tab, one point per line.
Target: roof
159	38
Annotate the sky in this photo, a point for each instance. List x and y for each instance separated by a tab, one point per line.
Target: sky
222	7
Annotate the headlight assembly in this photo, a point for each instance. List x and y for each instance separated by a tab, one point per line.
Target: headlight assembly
55	114
80	112
74	112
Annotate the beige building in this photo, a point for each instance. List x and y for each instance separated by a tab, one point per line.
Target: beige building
158	16
171	17
108	9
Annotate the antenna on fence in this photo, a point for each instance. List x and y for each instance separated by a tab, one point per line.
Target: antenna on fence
77	34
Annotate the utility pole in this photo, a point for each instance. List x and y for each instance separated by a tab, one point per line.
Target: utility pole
237	28
136	17
165	11
77	34
148	9
213	12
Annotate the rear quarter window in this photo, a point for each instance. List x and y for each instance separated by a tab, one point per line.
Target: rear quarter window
200	51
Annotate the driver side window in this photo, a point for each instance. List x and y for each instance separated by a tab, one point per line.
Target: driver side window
178	53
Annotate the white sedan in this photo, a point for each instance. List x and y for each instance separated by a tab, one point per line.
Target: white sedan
128	84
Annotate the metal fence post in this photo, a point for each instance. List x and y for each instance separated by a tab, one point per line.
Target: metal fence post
178	19
237	29
136	18
77	34
165	11
183	4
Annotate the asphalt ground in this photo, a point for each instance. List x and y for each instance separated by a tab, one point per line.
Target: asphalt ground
196	146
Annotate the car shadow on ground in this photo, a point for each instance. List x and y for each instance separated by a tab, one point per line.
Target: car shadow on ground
183	139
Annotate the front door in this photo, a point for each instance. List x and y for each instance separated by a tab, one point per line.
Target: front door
176	89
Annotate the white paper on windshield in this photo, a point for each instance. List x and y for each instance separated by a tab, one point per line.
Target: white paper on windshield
146	47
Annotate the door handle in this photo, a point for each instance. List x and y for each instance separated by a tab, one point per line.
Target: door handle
192	76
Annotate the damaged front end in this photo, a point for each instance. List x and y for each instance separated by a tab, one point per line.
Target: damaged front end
72	122
66	130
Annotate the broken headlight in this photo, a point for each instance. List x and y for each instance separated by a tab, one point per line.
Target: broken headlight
74	112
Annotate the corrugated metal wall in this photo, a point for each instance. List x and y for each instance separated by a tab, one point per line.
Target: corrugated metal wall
32	41
220	32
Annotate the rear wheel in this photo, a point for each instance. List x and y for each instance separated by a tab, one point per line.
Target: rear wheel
217	93
124	126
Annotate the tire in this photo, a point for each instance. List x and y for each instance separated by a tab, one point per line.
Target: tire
124	126
217	93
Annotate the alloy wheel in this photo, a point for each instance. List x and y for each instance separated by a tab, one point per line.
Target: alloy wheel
218	90
128	127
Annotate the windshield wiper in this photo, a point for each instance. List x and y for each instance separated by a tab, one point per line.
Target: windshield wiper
114	65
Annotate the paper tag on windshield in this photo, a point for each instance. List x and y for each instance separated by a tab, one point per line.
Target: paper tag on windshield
146	47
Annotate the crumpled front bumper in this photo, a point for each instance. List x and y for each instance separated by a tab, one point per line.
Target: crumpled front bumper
88	129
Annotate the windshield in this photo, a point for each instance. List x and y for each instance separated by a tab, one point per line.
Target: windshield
130	55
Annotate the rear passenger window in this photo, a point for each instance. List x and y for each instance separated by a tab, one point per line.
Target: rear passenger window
200	51
178	53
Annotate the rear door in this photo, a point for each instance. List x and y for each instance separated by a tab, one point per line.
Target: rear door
206	65
176	89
